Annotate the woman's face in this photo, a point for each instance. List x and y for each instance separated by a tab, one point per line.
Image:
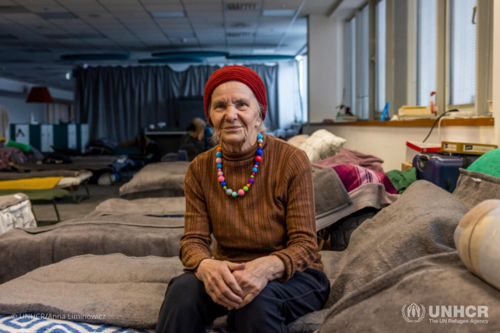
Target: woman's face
235	115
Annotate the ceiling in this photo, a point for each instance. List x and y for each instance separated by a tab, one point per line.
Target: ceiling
35	33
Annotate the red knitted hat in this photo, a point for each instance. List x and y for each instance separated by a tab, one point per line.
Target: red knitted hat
242	74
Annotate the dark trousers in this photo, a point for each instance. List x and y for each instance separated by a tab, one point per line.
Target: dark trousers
188	308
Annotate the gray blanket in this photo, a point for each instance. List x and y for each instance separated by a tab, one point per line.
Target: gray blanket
388	264
115	289
23	250
330	194
156	180
149	206
474	187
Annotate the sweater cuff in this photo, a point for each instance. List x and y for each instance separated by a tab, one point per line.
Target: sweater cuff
192	264
289	270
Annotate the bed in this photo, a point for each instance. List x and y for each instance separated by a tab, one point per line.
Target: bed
70	180
405	249
162	179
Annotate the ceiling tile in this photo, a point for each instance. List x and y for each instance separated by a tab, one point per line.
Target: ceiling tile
164	7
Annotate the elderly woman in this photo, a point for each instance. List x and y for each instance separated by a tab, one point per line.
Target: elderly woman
254	193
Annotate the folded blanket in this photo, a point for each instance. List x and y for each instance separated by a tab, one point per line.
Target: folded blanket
402	179
30	183
149	206
111	289
156	180
23	250
329	193
475	187
353	176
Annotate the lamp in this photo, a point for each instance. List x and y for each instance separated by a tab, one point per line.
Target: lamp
40	95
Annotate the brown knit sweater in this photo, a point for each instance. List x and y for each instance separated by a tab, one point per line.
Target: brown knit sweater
275	217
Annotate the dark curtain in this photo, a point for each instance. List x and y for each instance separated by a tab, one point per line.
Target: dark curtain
117	102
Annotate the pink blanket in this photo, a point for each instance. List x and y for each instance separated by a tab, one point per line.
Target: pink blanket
353	176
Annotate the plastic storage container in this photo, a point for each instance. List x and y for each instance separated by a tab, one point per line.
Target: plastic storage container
440	169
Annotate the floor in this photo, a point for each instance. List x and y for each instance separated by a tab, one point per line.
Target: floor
69	210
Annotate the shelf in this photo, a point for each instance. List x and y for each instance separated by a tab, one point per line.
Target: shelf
486	121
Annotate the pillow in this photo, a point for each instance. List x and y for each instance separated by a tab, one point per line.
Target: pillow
474	187
322	144
298	139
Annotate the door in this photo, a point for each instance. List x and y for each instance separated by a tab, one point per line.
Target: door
22	133
84	128
72	136
47	138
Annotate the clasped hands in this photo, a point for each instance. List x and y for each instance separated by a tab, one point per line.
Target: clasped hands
235	285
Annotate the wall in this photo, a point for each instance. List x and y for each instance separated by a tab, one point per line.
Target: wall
13	96
287	90
389	143
19	110
325	61
496	69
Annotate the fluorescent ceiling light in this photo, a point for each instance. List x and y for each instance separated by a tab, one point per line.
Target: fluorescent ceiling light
263	51
168	14
278	12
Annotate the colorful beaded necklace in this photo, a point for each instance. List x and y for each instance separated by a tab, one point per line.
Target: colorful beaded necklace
258	158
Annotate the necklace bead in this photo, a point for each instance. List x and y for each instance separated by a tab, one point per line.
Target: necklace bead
251	180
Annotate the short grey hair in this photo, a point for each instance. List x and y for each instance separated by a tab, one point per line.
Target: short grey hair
214	139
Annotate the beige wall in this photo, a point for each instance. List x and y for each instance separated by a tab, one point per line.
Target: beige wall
325	63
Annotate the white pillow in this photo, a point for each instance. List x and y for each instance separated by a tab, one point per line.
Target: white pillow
322	144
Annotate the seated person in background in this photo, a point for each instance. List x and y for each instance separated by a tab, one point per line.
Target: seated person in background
193	142
265	270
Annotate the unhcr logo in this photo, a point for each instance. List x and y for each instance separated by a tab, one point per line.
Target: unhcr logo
413	313
441	314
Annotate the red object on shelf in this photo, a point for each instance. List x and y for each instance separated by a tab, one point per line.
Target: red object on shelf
422	147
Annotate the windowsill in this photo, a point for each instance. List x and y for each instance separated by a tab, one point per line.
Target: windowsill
486	121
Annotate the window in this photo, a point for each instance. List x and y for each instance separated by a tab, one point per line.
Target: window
462	53
302	63
426	50
362	63
349	92
380	98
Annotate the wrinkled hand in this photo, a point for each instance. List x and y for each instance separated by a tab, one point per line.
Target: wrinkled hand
254	278
219	283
